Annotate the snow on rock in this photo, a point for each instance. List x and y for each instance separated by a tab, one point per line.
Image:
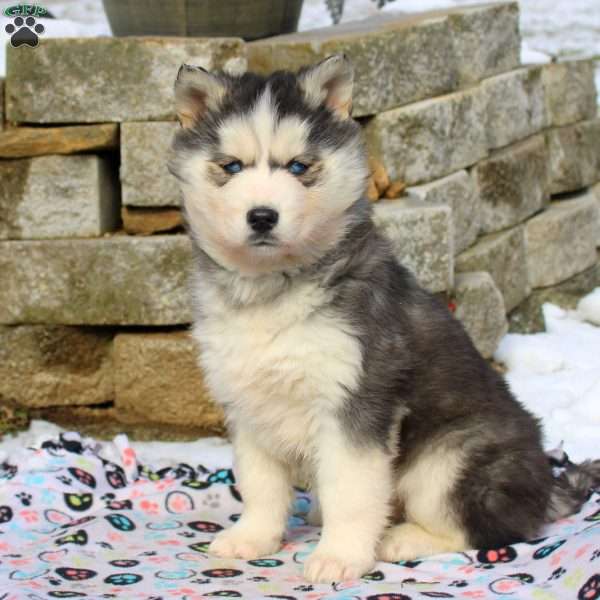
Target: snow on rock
530	56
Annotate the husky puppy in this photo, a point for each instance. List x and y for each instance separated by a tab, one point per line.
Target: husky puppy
333	366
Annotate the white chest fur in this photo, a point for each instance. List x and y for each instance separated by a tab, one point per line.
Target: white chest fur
280	368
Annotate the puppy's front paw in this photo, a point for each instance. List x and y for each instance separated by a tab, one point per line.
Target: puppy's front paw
325	567
242	542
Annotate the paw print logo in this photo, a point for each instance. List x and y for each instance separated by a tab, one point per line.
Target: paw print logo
187	534
24	32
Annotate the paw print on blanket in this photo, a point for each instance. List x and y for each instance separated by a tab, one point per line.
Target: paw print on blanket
510	584
591	589
265	563
545	551
120	522
186	534
24	32
6	514
212	500
123	579
116	477
79	538
194	484
175	575
53	580
7	471
222	476
557	573
25	498
149	507
78	502
222	573
119	505
123	563
112	504
83	477
73	574
497	555
179	502
205	526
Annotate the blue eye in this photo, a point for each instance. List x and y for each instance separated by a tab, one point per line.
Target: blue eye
297	168
233	167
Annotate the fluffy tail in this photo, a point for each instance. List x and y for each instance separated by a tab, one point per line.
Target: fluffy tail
573	484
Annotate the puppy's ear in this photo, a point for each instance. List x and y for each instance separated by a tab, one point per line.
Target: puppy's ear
330	82
196	92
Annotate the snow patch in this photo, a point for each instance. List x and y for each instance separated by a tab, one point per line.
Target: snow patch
556	375
588	307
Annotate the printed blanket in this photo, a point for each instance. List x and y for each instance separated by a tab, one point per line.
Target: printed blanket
82	519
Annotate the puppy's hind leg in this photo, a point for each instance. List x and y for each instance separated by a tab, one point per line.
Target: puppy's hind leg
430	528
408	541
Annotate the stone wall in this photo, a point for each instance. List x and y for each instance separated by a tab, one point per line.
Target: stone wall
485	179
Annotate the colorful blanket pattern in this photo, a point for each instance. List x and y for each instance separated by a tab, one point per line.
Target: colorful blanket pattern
75	524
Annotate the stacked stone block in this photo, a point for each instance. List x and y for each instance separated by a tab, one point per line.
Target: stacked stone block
489	165
93	320
563	241
38	193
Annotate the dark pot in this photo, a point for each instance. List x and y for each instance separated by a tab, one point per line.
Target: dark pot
248	19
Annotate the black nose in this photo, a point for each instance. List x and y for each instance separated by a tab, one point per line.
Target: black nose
262	219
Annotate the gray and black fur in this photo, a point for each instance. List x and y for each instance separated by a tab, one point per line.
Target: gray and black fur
423	383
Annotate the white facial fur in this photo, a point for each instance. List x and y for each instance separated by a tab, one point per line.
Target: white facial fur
311	218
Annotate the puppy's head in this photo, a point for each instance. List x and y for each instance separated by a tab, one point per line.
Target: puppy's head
268	166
